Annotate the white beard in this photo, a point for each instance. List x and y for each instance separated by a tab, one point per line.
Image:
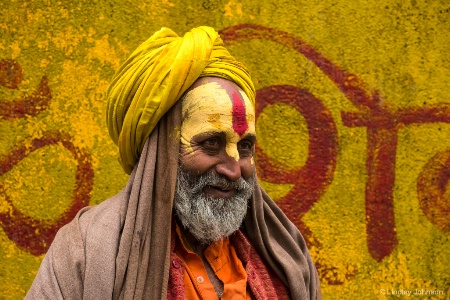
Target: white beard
208	218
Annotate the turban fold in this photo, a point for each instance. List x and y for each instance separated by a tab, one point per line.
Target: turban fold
156	75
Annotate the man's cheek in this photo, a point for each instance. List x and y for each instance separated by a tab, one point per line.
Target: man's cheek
247	167
187	154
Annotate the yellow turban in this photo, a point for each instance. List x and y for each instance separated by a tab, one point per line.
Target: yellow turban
156	75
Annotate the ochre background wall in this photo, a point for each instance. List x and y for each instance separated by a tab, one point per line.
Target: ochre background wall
353	126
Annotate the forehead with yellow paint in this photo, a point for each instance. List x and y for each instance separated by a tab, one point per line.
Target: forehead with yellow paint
212	108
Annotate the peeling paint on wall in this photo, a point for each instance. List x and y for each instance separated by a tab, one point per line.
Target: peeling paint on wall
352	122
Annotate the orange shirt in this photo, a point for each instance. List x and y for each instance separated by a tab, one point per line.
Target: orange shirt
222	258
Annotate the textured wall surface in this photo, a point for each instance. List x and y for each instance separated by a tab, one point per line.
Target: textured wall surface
353	126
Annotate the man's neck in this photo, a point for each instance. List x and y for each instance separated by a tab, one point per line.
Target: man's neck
193	243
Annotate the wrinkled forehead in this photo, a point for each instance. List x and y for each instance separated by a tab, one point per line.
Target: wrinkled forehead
216	96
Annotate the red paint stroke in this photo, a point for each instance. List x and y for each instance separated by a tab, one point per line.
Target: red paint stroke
11	74
240	125
311	180
347	82
33	235
382	136
380	218
314	177
32	105
431	189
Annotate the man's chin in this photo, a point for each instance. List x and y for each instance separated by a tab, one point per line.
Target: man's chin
211	219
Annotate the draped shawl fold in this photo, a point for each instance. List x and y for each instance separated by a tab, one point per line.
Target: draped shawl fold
120	249
155	76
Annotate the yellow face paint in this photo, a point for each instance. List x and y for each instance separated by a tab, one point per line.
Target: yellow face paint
210	108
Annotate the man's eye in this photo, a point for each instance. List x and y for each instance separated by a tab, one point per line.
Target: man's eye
211	143
245	146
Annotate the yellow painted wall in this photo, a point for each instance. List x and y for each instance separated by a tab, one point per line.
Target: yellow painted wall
353	126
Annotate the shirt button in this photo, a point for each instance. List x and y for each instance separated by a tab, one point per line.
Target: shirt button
176	264
200	279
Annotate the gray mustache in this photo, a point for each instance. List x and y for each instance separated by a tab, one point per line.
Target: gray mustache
211	178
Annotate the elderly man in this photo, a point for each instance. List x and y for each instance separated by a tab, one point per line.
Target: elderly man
192	222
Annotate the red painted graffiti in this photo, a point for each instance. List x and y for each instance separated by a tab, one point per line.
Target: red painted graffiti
382	128
11	74
37	102
311	180
33	235
431	188
30	234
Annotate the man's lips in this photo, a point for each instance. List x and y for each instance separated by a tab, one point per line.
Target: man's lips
219	192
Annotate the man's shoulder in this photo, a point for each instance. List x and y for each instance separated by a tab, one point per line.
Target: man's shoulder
94	223
103	219
94	235
82	255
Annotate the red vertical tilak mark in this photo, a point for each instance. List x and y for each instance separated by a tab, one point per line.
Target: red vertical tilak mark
239	116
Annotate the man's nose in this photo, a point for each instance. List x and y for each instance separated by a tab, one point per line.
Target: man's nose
229	167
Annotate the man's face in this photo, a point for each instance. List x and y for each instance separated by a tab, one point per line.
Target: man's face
215	177
218	131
